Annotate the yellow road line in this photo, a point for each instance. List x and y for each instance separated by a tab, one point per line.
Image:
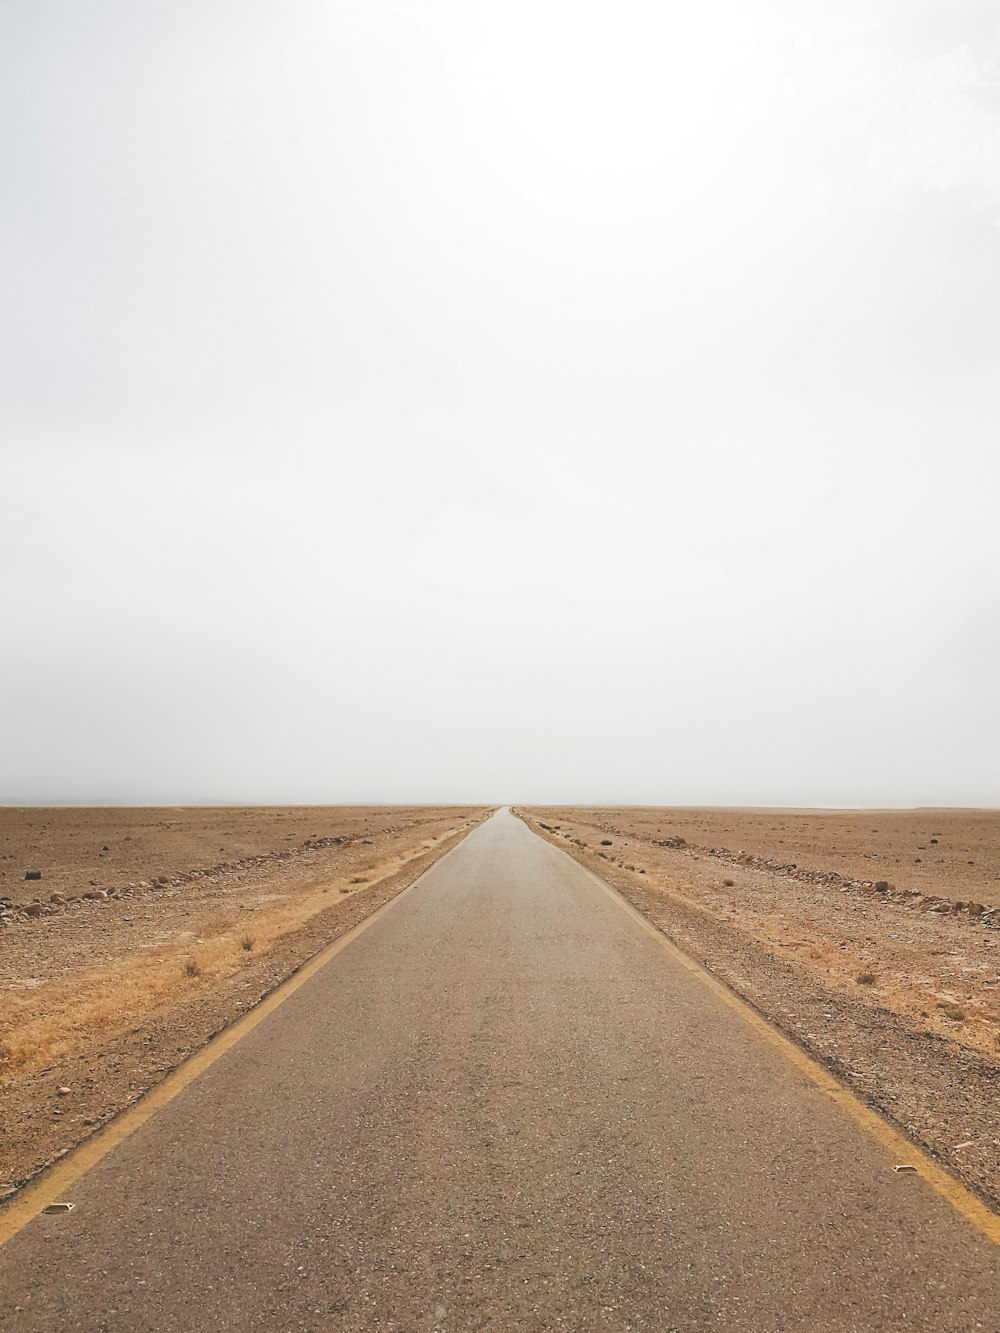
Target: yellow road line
896	1144
60	1178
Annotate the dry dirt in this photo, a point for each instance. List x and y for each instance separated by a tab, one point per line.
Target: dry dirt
872	938
151	929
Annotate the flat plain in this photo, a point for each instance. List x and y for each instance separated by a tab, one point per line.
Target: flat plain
504	1102
871	937
151	929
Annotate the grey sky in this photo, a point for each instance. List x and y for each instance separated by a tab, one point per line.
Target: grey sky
570	401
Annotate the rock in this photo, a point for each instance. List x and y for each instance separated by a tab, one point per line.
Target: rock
32	909
57	898
882	886
62	1092
32	874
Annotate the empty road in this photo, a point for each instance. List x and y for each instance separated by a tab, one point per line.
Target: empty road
503	1105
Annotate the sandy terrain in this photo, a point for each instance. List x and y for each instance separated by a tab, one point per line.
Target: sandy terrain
151	929
873	938
504	1108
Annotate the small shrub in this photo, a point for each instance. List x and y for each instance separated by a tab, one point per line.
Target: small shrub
952	1011
359	879
865	978
727	883
192	968
247	942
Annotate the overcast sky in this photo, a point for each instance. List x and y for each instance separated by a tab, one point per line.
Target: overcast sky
500	402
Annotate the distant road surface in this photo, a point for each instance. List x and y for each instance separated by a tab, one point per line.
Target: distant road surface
503	1105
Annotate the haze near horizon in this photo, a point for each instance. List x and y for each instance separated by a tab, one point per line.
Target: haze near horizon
549	403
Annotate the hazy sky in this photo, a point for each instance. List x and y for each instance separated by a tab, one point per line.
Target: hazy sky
480	401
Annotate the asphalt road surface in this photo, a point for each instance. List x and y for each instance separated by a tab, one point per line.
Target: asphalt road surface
501	1106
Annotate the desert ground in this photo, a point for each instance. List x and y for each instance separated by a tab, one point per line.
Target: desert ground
871	937
148	930
506	1103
